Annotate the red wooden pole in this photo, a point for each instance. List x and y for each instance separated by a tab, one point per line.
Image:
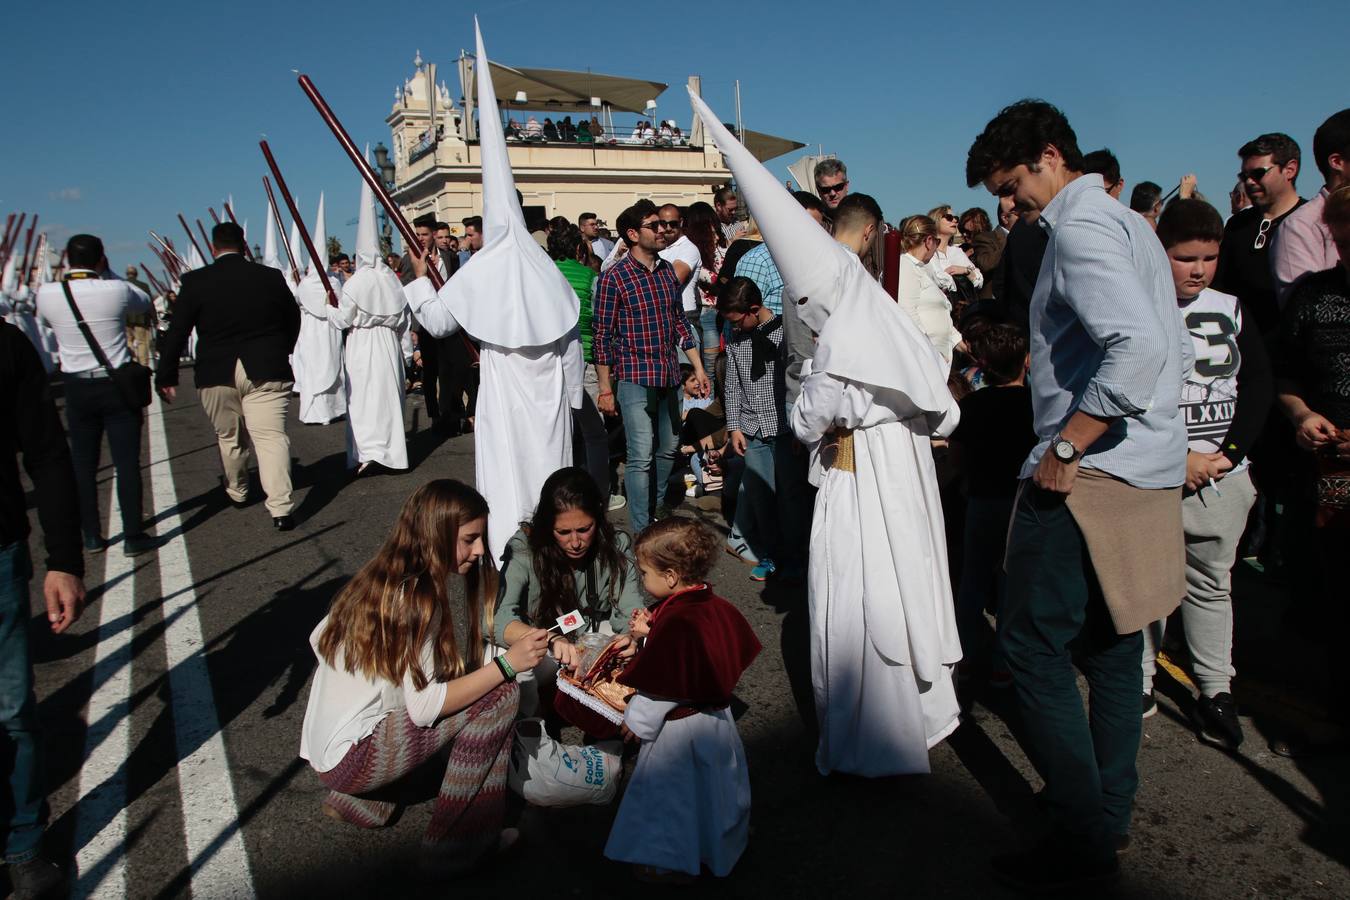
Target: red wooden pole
381	194
206	239
14	238
890	272
191	236
27	249
215	219
4	243
229	212
171	255
315	259
281	229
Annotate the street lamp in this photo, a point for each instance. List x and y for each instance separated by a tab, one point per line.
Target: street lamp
384	165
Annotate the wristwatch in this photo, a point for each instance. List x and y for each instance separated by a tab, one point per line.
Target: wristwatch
1064	449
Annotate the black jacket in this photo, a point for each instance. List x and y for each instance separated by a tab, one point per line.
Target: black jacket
242	311
29	425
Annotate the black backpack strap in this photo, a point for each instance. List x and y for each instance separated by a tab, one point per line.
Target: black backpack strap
84	330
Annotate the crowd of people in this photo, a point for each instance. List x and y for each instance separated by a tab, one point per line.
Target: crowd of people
1055	433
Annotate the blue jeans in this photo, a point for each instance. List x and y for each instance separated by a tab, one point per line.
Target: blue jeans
796	500
1054	619
651	424
756	499
709	338
23	806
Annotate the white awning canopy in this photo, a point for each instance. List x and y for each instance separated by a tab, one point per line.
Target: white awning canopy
572	91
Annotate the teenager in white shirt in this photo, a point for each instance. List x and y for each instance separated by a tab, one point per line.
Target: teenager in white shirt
401	678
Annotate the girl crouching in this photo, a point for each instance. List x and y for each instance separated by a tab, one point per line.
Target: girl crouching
400	678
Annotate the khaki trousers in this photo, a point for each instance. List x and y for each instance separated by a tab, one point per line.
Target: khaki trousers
257	409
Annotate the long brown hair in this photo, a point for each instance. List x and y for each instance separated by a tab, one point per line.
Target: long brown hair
399	601
703	229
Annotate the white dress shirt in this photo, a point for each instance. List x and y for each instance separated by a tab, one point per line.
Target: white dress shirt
104	304
919	295
684	251
953	256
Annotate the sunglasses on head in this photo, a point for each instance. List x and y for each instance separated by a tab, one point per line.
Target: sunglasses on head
1254	174
832	188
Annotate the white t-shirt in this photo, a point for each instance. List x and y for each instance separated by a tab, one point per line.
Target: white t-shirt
104	304
345	707
1209	393
684	251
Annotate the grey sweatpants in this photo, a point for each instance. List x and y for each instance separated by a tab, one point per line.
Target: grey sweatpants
1213	522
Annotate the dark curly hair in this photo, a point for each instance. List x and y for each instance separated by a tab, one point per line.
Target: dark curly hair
568	489
1017	136
564	242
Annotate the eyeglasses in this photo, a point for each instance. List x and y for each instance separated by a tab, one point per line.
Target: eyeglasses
1261	234
1254	174
832	188
672	224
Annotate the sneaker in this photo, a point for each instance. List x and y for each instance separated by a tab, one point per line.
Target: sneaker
617	502
36	878
1150	705
741	550
1216	721
1051	867
95	544
762	571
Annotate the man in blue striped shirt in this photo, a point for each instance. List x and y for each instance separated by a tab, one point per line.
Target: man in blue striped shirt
1095	550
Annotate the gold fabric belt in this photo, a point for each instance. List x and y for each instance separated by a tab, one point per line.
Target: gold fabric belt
838	454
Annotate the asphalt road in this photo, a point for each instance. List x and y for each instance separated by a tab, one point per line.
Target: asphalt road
172	717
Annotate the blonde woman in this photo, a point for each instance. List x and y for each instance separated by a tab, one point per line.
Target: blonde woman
919	294
950	260
401	683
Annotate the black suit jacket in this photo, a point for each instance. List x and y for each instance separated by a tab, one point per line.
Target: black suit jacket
1022	256
243	312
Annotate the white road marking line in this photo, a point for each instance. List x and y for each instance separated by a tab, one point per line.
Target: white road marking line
101	815
215	845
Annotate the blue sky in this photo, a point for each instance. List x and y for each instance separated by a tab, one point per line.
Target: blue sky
145	109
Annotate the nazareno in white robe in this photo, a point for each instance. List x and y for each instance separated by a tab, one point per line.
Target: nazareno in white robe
883	629
523	421
372	307
687	803
317	358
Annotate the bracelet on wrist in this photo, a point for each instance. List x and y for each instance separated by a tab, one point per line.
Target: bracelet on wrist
605	394
505	667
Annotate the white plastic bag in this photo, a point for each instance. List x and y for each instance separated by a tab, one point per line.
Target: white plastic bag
548	773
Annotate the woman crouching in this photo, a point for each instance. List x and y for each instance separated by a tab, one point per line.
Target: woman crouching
401	678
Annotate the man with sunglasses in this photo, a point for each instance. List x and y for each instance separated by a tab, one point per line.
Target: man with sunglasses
1270	166
637	320
832	187
681	253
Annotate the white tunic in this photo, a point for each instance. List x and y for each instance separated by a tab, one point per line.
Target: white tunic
317	360
522	423
883	630
688	802
374	364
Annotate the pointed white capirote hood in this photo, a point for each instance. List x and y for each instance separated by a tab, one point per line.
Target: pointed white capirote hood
194	259
367	247
509	293
320	237
270	257
862	334
297	246
9	279
310	293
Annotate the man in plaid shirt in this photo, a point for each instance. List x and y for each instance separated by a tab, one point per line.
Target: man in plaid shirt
638	319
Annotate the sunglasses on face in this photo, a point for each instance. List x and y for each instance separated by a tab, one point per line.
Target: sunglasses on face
951	218
652	226
1254	174
832	188
670	223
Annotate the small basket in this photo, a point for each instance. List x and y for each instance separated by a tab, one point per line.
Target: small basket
595	701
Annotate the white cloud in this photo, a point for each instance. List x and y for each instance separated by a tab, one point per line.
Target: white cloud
68	194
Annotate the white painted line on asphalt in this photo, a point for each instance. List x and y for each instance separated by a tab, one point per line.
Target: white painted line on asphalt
215	845
101	814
